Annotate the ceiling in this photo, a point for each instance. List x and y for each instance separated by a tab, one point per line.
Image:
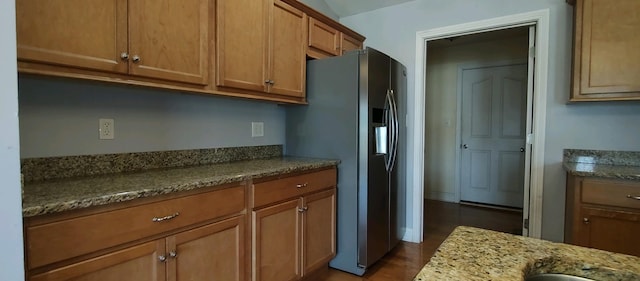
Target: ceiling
345	8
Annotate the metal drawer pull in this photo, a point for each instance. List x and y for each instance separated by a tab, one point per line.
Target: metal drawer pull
165	218
633	197
301	185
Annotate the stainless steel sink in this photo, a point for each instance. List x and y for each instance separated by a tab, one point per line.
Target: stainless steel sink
556	277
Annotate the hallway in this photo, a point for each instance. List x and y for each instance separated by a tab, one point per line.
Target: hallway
440	218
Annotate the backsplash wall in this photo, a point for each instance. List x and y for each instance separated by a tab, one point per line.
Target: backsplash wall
59	117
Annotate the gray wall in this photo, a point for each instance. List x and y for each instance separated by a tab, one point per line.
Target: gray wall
607	126
11	259
59	117
322	7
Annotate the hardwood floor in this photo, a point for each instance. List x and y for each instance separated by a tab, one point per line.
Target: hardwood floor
440	218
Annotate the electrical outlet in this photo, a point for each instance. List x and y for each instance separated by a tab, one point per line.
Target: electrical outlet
257	129
107	129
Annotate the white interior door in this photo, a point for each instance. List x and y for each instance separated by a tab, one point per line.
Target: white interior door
494	106
529	131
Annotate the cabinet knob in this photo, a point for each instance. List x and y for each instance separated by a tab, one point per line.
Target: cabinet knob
585	220
301	185
173	254
124	56
136	58
270	82
303	209
162	258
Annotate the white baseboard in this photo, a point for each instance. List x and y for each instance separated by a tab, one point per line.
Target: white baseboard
441	196
410	236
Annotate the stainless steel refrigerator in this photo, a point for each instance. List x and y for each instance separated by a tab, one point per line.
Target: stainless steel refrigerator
356	113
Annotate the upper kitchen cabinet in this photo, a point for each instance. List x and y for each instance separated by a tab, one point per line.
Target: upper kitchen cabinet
242	44
606	62
260	48
327	37
91	35
159	39
169	39
324	40
287	63
348	43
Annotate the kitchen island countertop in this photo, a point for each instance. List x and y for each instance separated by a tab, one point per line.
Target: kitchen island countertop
53	196
471	254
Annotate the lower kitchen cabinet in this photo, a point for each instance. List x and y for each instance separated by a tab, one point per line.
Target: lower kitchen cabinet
610	230
198	236
211	252
294	231
134	263
319	230
603	214
277	242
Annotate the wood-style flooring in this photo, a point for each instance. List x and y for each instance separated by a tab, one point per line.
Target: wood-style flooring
440	218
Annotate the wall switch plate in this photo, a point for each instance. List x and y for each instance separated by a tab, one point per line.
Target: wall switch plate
257	129
107	129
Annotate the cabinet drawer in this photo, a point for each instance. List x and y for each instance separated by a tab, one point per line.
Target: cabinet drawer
281	189
611	193
57	241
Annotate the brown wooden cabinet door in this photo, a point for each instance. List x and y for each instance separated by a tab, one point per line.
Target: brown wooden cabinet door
241	44
138	263
211	252
606	59
610	230
319	230
169	39
287	62
323	39
348	43
78	33
276	242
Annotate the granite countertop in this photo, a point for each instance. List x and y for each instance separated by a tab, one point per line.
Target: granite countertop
476	254
59	195
600	163
602	170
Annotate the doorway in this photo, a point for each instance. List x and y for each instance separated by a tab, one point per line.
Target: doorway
534	139
476	104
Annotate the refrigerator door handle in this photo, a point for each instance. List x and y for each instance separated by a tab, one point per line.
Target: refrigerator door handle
391	135
395	130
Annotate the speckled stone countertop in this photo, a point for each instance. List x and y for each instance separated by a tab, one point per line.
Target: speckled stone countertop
54	196
601	163
472	254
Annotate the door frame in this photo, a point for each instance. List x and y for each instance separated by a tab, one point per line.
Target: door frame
540	19
458	161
